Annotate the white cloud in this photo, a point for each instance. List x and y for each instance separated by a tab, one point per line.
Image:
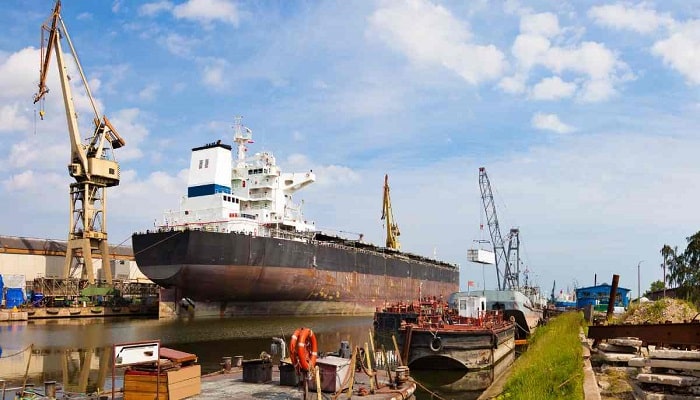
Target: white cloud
542	24
116	6
155	7
149	92
326	175
11	119
513	84
681	51
213	74
127	124
600	69
178	44
84	16
20	74
29	181
530	49
552	88
550	122
638	18
208	11
429	34
336	175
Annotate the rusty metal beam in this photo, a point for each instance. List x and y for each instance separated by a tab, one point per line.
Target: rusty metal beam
667	334
612	298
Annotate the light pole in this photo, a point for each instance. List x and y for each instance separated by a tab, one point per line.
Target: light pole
639	285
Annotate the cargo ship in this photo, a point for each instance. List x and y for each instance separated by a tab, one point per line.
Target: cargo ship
240	245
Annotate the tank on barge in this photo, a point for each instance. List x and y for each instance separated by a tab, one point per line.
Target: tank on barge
239	245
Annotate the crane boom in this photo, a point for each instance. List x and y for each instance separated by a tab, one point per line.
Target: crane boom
91	164
510	279
392	230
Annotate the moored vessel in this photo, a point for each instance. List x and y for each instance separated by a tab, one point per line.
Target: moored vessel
513	303
239	245
468	336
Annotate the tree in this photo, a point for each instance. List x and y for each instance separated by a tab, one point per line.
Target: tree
691	270
667	253
684	267
656	286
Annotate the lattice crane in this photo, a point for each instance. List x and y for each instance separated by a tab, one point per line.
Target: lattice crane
511	266
92	162
392	230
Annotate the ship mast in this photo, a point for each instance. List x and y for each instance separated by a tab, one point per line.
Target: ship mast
392	230
242	135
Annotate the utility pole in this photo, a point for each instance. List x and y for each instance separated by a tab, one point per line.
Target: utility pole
639	285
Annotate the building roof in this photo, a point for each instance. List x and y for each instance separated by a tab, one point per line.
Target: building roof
37	246
603	286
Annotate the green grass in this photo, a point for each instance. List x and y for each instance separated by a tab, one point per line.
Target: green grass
552	366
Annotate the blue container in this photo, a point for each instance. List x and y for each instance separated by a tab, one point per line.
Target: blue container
2	285
14	297
37	298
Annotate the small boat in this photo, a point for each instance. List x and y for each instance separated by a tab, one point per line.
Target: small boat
464	337
116	309
52	311
96	310
512	303
31	312
75	311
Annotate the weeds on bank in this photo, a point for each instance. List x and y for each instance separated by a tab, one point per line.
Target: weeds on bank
552	367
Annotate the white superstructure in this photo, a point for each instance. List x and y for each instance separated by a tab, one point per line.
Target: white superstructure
246	195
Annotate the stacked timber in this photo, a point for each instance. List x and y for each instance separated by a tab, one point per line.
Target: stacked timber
618	350
667	373
176	376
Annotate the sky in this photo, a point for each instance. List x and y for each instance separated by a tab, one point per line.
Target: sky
583	113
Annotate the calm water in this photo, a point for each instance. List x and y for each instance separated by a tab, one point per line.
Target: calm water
77	352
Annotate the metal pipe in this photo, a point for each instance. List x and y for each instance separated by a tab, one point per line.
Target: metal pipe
283	347
639	286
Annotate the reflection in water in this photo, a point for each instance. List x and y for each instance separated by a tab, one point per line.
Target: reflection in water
76	370
76	353
459	384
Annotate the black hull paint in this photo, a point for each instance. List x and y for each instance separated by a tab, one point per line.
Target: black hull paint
232	267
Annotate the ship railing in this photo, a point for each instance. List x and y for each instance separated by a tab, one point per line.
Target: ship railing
267	196
284	234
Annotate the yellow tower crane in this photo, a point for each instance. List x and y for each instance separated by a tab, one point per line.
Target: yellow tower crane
392	230
92	162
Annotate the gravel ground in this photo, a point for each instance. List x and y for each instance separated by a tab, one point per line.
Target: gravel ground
660	311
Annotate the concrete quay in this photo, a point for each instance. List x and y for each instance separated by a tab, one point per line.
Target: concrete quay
11	315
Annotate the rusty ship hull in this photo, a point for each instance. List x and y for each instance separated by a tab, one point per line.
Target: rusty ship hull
242	274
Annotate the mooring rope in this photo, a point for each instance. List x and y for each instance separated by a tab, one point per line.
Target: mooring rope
16	353
432	394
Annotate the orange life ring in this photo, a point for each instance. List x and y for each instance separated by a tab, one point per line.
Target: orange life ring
293	346
307	349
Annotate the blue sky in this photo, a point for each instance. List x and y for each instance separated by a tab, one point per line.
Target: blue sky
584	114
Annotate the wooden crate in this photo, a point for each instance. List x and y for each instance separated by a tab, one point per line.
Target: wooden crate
173	385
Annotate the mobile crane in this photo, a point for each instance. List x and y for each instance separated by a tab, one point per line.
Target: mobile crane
92	162
392	230
510	258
